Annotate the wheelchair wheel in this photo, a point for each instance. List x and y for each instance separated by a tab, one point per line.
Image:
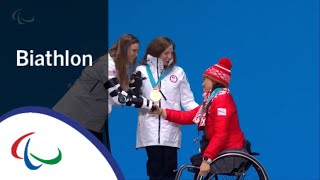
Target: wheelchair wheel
236	165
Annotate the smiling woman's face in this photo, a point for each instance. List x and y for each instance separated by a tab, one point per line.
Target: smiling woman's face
167	55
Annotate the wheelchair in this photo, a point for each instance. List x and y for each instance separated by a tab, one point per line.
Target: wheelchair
230	164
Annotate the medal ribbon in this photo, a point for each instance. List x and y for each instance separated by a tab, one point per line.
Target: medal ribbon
162	76
212	95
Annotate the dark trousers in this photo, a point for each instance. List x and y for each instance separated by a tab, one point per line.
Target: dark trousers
104	135
162	162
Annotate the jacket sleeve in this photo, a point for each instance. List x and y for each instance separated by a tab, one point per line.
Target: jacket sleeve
118	95
220	114
181	117
187	98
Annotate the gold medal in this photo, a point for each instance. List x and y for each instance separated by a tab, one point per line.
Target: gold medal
155	95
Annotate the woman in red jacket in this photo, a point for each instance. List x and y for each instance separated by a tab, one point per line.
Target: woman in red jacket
217	115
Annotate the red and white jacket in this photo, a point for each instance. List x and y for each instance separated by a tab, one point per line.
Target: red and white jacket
221	128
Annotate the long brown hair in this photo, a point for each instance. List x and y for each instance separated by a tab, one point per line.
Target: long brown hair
157	47
119	53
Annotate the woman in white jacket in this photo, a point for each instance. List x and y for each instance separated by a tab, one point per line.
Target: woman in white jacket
101	86
167	86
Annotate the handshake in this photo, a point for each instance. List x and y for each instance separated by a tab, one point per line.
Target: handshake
158	111
135	85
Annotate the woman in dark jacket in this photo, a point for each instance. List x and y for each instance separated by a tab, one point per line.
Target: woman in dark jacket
103	85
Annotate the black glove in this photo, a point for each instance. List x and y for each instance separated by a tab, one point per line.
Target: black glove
135	83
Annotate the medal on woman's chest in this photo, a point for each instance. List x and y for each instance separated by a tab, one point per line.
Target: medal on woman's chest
155	95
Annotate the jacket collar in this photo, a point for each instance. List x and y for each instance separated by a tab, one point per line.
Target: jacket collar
155	64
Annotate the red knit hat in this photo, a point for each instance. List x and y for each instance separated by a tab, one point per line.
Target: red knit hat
220	72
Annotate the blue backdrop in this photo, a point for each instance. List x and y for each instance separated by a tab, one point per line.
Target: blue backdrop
274	46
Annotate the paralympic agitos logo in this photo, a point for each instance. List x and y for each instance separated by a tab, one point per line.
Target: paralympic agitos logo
27	161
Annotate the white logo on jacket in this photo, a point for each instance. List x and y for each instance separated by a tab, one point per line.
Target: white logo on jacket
222	111
173	78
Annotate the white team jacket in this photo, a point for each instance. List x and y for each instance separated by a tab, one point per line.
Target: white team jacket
152	129
113	100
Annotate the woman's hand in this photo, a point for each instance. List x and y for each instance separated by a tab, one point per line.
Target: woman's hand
204	168
135	83
158	111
